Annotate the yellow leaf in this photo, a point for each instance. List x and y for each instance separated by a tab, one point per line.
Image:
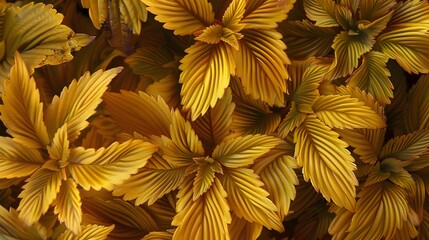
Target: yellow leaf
265	14
293	119
248	199
349	46
326	162
240	229
132	12
394	170
106	167
168	89
233	15
11	227
78	102
306	91
137	223
153	181
251	116
373	77
154	62
418	106
38	193
68	206
305	40
322	12
374	9
17	160
59	149
407	147
211	34
215	125
158	236
35	30
366	143
405	38
380	212
340	224
344	16
88	232
22	111
206	70
279	179
204	218
185	17
261	65
242	151
346	112
135	117
206	169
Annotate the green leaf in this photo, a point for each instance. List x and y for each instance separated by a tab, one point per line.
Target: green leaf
326	162
17	160
242	151
204	218
261	65
322	12
350	45
188	16
303	39
248	199
78	102
205	74
405	38
38	193
346	112
106	167
381	204
22	111
406	147
373	77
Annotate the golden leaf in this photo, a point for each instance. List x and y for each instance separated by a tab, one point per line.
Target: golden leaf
106	167
265	14
22	111
306	90
206	70
17	160
59	149
305	40
374	9
261	65
322	12
293	119
153	181
35	30
158	236
168	89
215	125
380	212
407	147
135	117
418	106
39	192
78	102
68	206
248	200
251	116
233	14
346	112
279	179
188	16
404	38
241	229
11	227
326	162
204	218
88	232
135	225
205	176
242	151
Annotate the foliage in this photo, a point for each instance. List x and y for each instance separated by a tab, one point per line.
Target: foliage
214	119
